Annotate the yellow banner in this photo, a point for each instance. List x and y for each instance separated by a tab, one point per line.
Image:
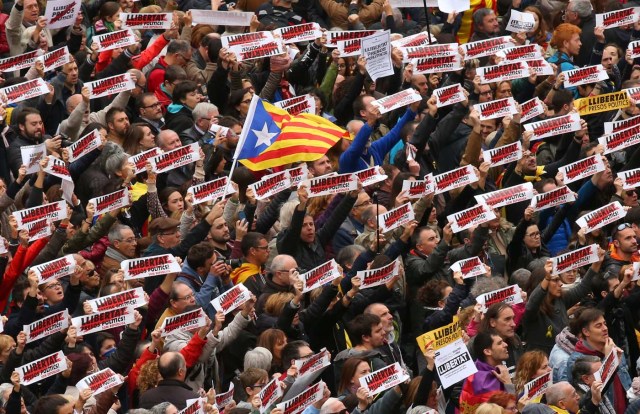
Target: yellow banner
602	103
441	337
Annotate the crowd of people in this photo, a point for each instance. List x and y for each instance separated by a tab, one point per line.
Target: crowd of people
575	327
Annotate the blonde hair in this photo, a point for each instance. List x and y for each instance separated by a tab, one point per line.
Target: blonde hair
151	9
489	408
276	303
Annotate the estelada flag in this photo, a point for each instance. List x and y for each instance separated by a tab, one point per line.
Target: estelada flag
271	137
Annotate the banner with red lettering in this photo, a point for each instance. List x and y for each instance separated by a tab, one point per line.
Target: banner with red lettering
470	267
395	218
554	126
150	266
132	298
616	126
194	406
305	32
297	404
617	18
506	196
61	13
269	394
25	90
114	40
320	275
427	50
140	160
630	179
397	100
313	364
103	321
620	140
531	109
226	18
211	190
634	47
608	367
449	95
351	47
100	381
271	185
555	197
540	66
538	385
46	326
333	37
55	58
298	174
234	41
259	49
601	217
84	145
31	156
55	269
470	217
419	39
173	159
231	299
371	176
575	259
383	379
488	47
38	229
52	212
25	60
303	104
441	64
496	109
223	399
146	21
380	276
582	169
417	188
42	368
511	295
582	76
331	184
521	22
454	179
502	72
503	155
520	53
58	168
187	321
110	202
110	86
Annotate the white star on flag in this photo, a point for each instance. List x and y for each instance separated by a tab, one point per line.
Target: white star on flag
264	136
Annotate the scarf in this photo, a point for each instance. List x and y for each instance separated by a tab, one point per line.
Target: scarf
605	406
566	341
116	255
246	270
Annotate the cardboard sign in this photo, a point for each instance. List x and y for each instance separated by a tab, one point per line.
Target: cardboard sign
269	395
634	93
61	13
416	188
470	217
575	259
231	299
520	53
554	126
298	174
52	212
55	59
57	168
39	229
488	47
299	33
413	3
582	169
521	22
427	50
507	196
608	368
99	382
46	326
55	269
616	126
602	103
314	363
334	37
582	76
140	160
397	100
556	197
376	50
531	109
331	184
194	406
503	72
114	40
395	218
540	67
147	21
13	63
102	321
187	321
211	190
634	47
114	201
235	41
42	368
454	179
300	402
449	95
538	385
418	39
601	217
470	267
371	176
436	64
225	18
110	86
260	50
630	179
380	276
84	145
31	156
496	109
510	295
132	298
503	155
25	90
3	245
320	276
454	6
620	140
617	18
383	379
149	266
298	104
225	398
350	47
271	185
173	159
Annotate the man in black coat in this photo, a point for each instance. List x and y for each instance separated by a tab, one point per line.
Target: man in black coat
172	388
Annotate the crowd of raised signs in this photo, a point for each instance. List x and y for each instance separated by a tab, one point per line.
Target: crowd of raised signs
464	240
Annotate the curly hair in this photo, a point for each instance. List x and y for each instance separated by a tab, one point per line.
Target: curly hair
148	377
528	364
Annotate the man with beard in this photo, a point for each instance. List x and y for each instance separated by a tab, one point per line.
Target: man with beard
150	112
219	237
30	131
624	250
117	125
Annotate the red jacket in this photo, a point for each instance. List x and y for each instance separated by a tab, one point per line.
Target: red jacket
21	260
138	61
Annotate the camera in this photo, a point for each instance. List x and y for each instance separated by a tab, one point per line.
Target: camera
234	263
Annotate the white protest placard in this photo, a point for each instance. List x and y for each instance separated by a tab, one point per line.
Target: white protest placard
376	49
436	64
417	40
52	212
333	37
173	159
415	188
298	174
269	394
470	217
454	179
3	245
540	66
487	47
630	179
449	95
582	76
25	60
25	90
538	385
507	196
383	379
223	399
521	22
531	109
511	295
502	72
371	176
109	202
582	169
300	402
395	218
299	33
636	271
634	93
42	368
231	299
314	363
331	184
601	217
61	13
140	160
46	326
634	47
380	276
103	321
226	18
608	368
496	109
55	269
617	18
187	321
425	51
100	381
470	267
132	298
616	126
58	168
84	145
149	266
454	6
320	275
110	86
114	40
554	126
31	156
55	58
413	3
194	406
304	104
519	53
271	185
235	41
574	259
397	100
210	190
261	49
38	229
146	21
555	197
620	140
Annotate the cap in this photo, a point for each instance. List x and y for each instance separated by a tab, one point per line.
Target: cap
162	224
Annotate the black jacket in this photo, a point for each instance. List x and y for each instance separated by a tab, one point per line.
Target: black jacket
170	390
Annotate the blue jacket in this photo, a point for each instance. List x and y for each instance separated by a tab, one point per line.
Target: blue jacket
565	65
206	290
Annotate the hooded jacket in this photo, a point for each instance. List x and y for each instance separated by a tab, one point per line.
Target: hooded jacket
178	118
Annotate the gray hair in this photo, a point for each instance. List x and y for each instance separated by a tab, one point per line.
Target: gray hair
582	8
520	277
279	261
160	408
479	15
328	405
202	110
258	357
286	213
139	411
178	46
115	234
161	135
582	366
4	388
353	125
115	162
556	392
487	284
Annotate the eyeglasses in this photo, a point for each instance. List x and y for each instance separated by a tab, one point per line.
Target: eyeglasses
364	203
623	226
630	193
141	86
54	285
486	93
153	105
91	272
262	247
188	297
186	59
257	386
129	240
534	234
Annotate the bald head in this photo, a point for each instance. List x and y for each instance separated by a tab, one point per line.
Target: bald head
332	405
172	365
168	140
73	102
